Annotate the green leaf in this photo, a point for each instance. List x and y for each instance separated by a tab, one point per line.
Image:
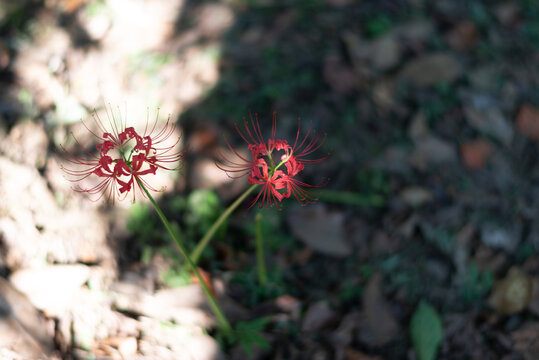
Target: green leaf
175	277
426	330
203	209
248	334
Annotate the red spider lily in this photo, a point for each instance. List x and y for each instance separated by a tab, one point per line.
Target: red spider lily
271	183
124	158
264	169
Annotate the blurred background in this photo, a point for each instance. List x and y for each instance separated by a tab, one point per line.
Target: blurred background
426	230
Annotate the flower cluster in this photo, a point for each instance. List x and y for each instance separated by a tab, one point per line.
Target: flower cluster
274	163
124	158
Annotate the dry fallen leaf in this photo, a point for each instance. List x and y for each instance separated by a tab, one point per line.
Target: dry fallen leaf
289	304
4	55
414	32
533	306
475	153
513	293
320	229
463	36
431	69
527	121
461	252
418	127
343	336
383	244
352	354
70	6
490	121
382	53
386	52
432	150
507	12
340	77
416	196
318	315
525	340
204	137
379	326
206	277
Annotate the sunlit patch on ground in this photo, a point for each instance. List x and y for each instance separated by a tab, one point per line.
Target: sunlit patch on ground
426	229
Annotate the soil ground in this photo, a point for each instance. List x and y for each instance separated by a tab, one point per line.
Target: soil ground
423	244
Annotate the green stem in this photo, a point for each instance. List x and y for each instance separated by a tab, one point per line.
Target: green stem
223	322
272	165
351	198
261	264
195	255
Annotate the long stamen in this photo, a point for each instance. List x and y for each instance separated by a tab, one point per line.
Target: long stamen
116	164
260	167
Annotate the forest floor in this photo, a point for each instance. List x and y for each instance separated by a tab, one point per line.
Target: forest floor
423	244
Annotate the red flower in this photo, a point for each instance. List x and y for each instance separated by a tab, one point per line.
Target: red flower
265	167
124	158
